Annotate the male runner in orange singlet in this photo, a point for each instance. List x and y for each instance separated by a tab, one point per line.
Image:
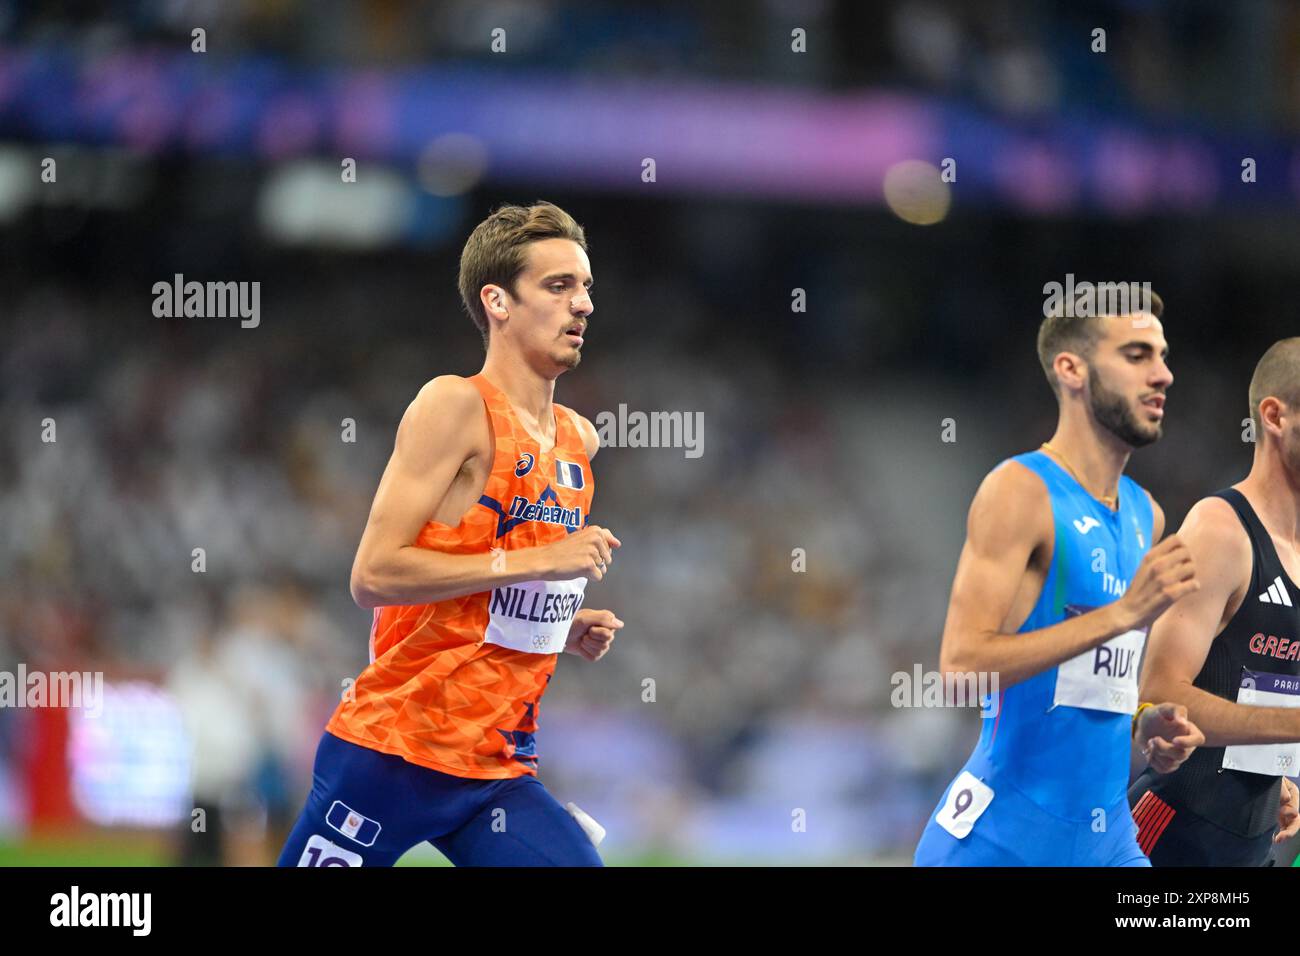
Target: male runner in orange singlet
475	559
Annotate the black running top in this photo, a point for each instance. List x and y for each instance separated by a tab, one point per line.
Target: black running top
1262	637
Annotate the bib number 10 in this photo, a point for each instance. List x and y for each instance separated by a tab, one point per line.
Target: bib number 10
322	852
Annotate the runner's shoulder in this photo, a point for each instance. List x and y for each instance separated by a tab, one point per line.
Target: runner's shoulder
445	407
590	438
1213	528
1015	486
448	393
1012	502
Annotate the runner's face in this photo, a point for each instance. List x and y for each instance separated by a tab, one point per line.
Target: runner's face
1291	441
1128	376
552	302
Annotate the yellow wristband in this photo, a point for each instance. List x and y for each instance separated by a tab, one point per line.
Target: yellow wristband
1138	713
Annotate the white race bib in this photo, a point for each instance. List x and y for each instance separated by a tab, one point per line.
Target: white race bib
968	797
534	616
1261	689
322	852
1104	678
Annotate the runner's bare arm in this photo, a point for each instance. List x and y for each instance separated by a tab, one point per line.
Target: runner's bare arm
1181	638
1010	519
1157	520
1163	737
435	439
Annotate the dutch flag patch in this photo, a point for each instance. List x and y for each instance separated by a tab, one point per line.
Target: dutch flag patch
568	474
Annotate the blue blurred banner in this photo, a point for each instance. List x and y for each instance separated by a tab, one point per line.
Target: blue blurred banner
737	139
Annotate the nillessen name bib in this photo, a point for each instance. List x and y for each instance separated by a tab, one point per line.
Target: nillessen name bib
534	616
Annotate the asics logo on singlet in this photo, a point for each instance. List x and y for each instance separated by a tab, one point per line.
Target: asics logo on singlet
1085	524
1276	593
525	510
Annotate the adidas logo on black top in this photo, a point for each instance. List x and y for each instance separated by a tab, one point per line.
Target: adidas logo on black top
1276	593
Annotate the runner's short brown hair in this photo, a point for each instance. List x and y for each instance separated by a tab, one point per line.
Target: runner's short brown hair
497	250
